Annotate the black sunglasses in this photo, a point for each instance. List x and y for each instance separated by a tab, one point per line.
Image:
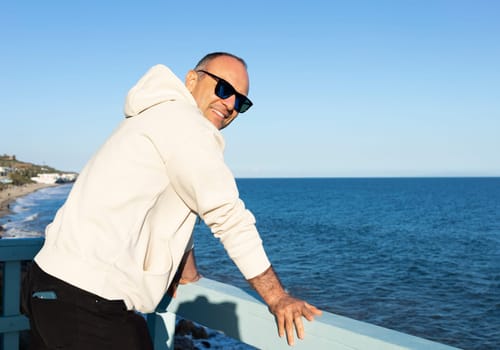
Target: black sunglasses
225	90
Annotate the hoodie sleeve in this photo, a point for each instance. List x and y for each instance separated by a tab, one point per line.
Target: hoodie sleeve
193	158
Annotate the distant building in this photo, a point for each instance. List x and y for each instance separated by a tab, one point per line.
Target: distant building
4	175
8	157
68	177
52	178
49	178
4	170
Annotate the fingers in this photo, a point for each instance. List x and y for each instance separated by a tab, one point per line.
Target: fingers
281	325
292	325
299	326
285	326
309	312
289	315
289	330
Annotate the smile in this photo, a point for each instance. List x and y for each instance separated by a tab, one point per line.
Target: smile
220	114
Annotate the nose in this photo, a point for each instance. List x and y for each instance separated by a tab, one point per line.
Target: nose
229	103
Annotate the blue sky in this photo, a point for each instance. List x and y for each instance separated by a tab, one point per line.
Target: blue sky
340	88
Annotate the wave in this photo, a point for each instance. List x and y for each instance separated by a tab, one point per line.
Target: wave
17	232
51	192
31	217
22	204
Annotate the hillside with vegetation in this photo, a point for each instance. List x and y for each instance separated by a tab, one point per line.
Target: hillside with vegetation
21	172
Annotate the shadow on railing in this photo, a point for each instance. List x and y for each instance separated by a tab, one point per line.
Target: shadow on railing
215	305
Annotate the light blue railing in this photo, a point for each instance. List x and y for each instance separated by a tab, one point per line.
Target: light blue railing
12	253
215	305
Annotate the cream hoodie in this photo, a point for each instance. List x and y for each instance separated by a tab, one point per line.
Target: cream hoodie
130	215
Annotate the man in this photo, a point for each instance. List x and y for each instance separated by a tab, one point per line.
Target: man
115	245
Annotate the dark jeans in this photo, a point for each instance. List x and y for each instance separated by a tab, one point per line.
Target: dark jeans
66	317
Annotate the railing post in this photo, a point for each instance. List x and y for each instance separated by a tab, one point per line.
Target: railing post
162	330
11	301
12	253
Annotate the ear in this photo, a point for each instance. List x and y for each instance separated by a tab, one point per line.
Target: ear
191	80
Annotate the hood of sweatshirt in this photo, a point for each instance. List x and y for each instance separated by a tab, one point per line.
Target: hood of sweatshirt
158	85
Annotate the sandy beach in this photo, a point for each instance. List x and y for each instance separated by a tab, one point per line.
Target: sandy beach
10	193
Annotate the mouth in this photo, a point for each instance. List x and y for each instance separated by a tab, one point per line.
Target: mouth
220	114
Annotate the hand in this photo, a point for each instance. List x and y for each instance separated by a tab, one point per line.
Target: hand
287	309
288	312
186	273
172	290
191	279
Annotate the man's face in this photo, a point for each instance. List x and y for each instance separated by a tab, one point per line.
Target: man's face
219	111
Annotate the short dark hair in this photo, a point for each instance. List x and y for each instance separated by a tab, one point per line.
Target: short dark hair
207	58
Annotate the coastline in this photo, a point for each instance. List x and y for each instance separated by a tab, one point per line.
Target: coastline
11	193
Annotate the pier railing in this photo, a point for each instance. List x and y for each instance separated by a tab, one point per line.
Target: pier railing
12	253
215	305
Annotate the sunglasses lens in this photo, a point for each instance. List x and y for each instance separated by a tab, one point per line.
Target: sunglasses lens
242	104
223	89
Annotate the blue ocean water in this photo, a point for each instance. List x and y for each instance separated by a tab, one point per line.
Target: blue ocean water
31	213
418	255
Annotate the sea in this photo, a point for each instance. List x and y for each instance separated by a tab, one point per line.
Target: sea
417	255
